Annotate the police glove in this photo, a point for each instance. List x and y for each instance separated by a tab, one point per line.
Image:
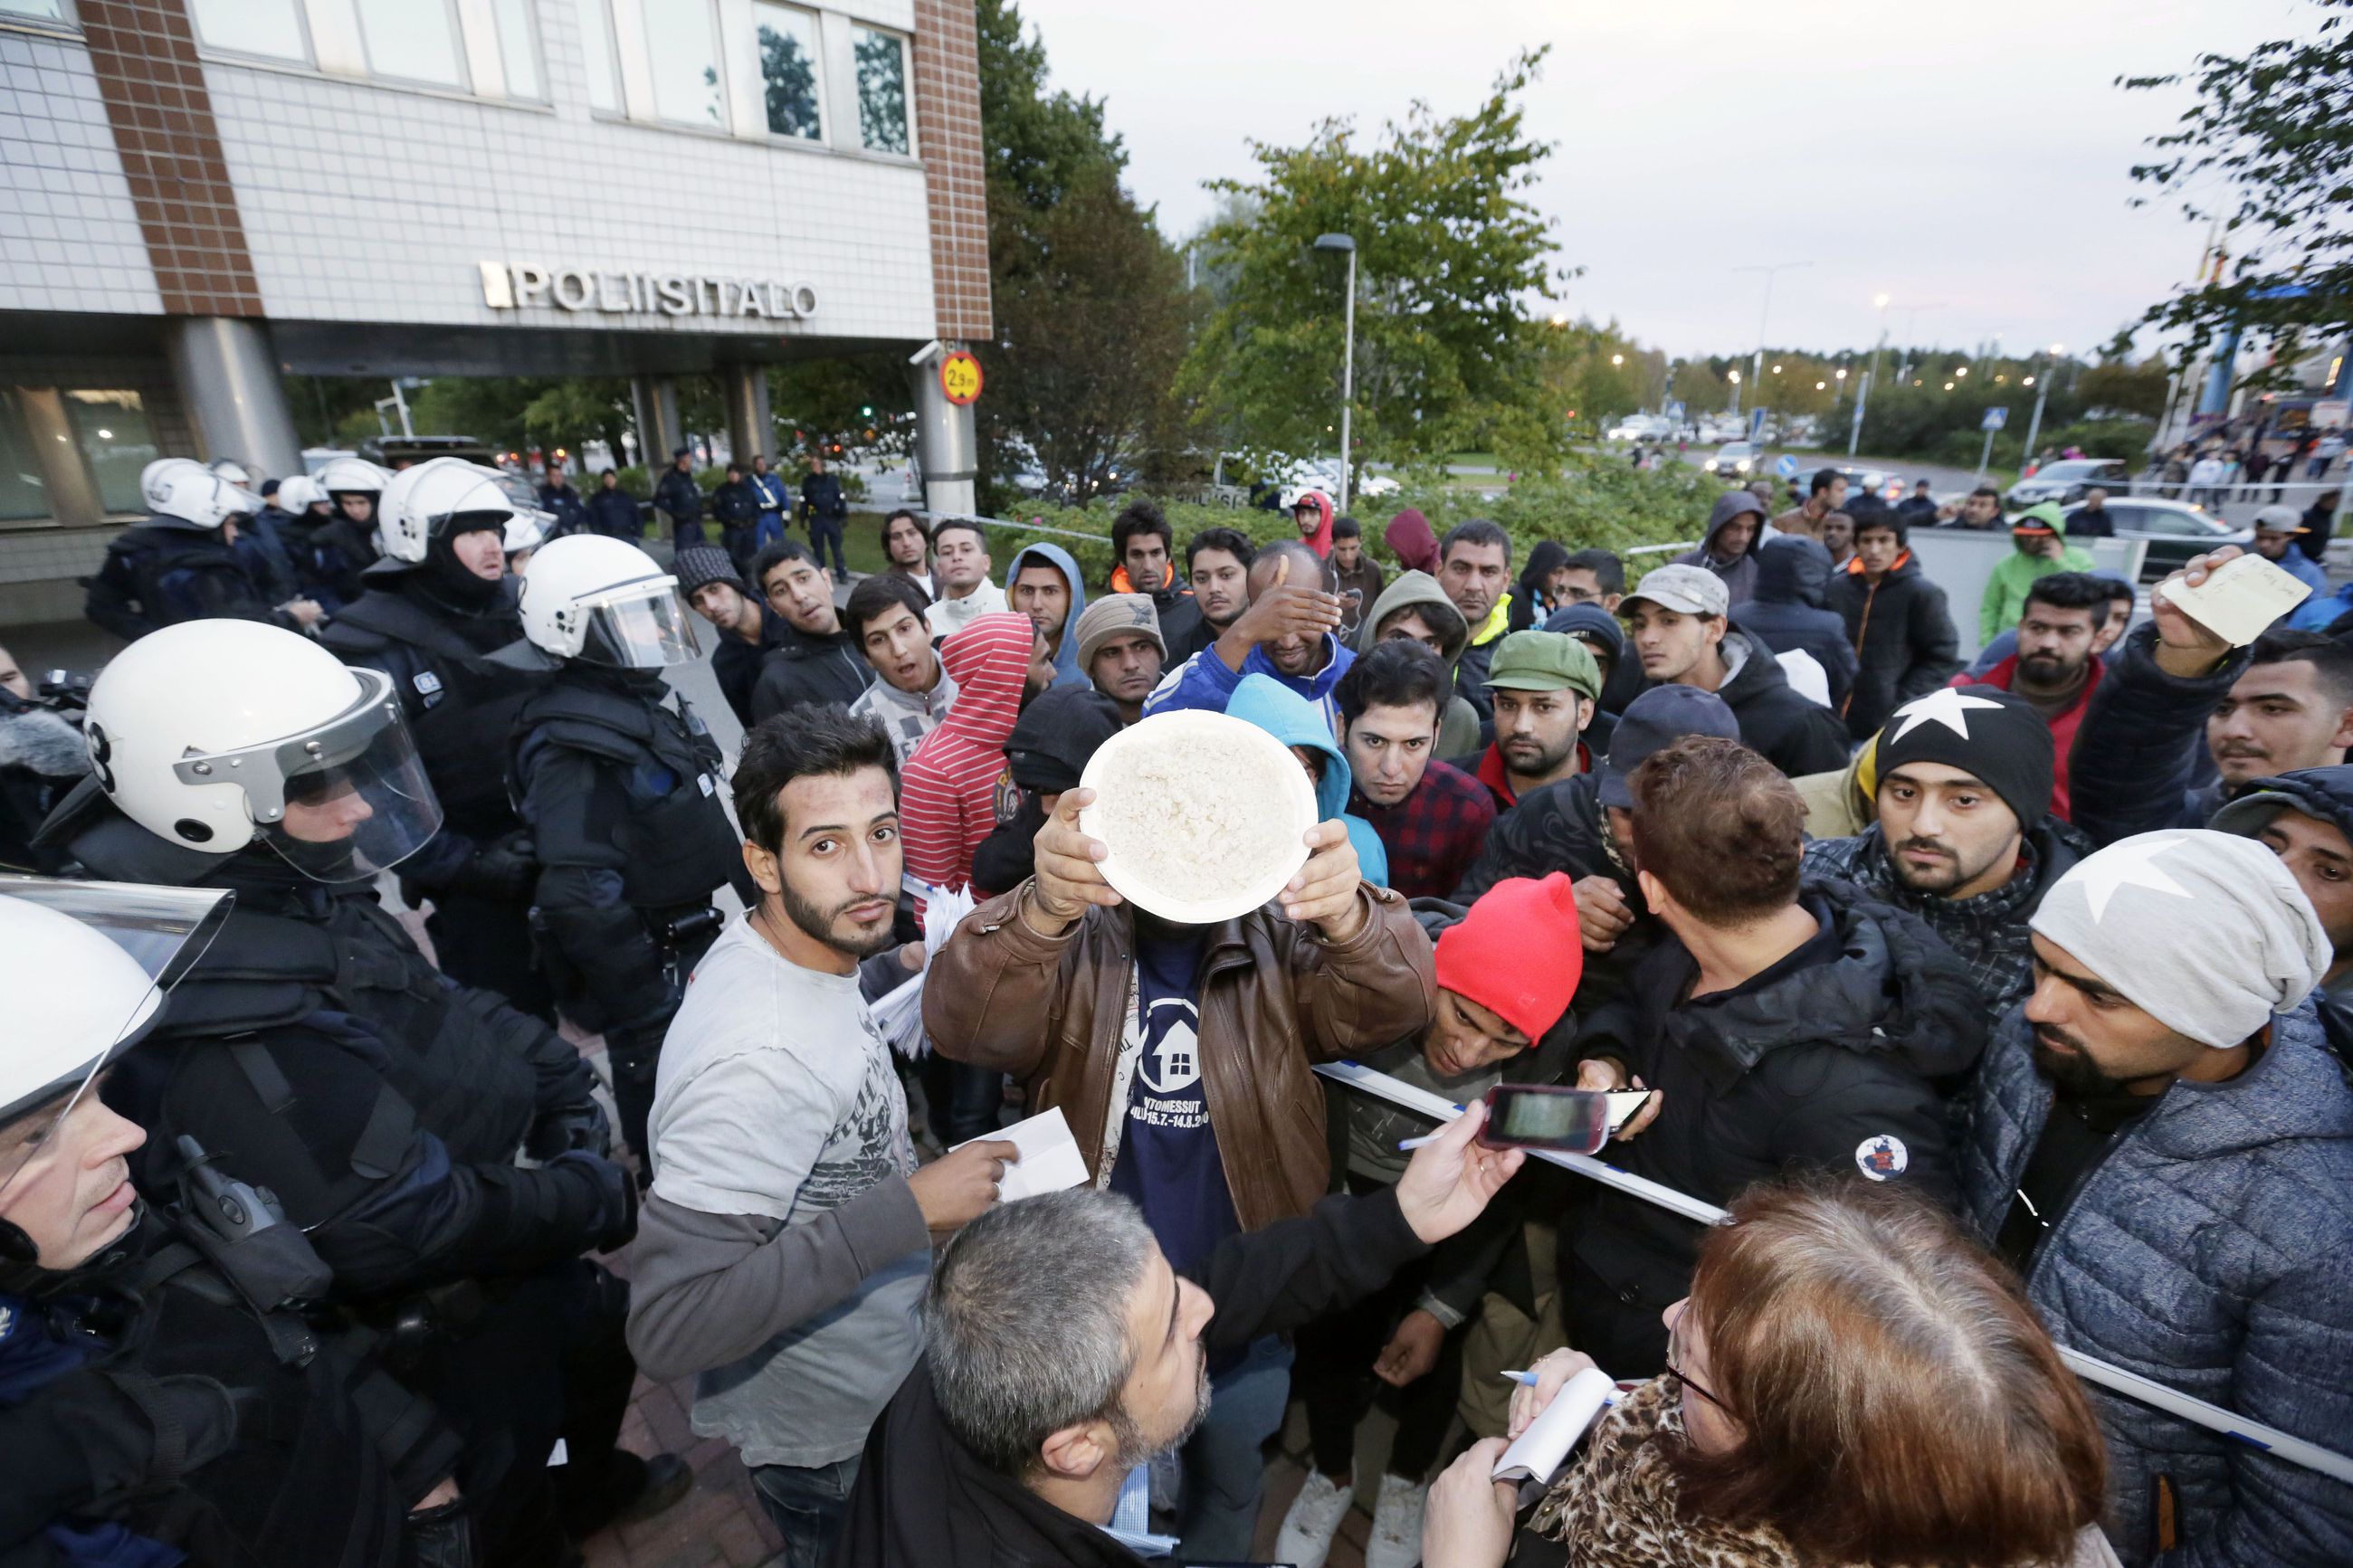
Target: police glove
616	1195
195	1417
582	1127
503	870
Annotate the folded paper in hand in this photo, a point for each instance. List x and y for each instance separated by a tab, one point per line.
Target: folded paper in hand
1050	1157
1550	1436
2240	599
899	1013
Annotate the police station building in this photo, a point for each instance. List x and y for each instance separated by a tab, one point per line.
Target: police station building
199	196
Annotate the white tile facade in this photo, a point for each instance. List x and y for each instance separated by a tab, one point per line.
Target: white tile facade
363	202
70	236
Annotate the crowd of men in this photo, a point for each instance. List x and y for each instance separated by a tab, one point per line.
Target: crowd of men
2009	1000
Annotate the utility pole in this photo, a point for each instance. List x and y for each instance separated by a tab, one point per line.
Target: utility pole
1756	367
1912	314
2042	390
1348	358
1862	396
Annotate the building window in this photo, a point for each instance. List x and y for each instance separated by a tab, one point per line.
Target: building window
788	69
38	11
519	48
596	51
682	50
882	90
270	29
23	495
111	430
412	41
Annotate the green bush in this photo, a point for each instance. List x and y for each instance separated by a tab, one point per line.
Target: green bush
1596	502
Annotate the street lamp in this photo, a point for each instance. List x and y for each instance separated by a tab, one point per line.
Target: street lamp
1617	359
2034	424
1770	269
1348	355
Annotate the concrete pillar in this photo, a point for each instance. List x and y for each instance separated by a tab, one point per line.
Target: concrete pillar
947	450
659	431
751	431
228	378
72	492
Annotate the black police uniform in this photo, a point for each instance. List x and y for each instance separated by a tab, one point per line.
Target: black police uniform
41	758
316	1053
622	797
151	1403
162	572
329	552
430	626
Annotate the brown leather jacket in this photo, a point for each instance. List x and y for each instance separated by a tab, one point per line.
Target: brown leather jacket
1275	998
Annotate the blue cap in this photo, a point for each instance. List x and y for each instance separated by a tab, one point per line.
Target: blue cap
1660	716
1589	620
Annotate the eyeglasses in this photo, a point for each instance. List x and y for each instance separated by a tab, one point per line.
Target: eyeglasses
1673	1342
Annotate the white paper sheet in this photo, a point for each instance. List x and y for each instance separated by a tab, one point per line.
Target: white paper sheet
1050	1157
2240	599
1550	1436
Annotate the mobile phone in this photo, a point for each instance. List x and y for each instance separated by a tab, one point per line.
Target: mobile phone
1546	1116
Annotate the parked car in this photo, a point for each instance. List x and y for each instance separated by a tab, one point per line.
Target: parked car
1640	428
2176	531
1734	460
2066	480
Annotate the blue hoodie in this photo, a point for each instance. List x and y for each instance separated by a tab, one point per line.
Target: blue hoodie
1275	708
1204	682
1067	672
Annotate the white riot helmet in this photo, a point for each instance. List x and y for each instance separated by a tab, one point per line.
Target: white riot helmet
525	534
152	478
213	733
604	600
356	475
235	472
429	498
84	966
299	493
197	497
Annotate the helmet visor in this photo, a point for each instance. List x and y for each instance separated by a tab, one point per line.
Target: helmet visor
340	802
83	1015
643	626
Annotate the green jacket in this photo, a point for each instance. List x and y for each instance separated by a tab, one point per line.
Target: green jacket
2005	591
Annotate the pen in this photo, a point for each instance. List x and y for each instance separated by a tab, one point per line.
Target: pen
1426	1138
1524	1379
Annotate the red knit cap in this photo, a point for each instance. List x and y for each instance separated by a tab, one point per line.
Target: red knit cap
1517	952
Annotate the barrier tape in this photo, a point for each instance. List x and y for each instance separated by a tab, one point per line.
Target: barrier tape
2281	1445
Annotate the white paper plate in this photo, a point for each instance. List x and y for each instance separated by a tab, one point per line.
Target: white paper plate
1206	816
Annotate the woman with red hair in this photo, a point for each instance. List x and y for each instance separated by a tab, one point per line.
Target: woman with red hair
1849	1381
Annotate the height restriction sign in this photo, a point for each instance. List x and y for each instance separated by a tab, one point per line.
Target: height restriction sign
960	378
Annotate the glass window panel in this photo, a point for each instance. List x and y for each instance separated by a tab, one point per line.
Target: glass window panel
682	49
596	49
269	28
788	69
518	49
22	492
882	90
111	430
413	42
41	10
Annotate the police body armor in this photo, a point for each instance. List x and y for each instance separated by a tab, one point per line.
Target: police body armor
155	1396
461	709
658	820
160	574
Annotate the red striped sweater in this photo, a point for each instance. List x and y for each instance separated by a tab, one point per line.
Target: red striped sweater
947	790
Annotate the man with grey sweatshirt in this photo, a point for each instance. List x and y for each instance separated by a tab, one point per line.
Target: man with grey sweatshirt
783	1251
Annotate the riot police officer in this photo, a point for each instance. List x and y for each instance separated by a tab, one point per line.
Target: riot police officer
436	607
315	1049
622	796
160	1399
332	550
181	565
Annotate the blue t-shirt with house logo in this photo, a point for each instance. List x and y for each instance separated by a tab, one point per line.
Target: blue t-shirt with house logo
1168	1162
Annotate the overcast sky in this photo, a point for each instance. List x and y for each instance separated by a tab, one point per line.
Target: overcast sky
1967	155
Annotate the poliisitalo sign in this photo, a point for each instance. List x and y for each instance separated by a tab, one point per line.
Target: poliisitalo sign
529	285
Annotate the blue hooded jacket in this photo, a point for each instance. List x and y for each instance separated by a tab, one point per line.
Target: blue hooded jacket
1204	682
1262	700
1067	672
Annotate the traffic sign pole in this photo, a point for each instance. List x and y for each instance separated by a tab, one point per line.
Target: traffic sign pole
1994	419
